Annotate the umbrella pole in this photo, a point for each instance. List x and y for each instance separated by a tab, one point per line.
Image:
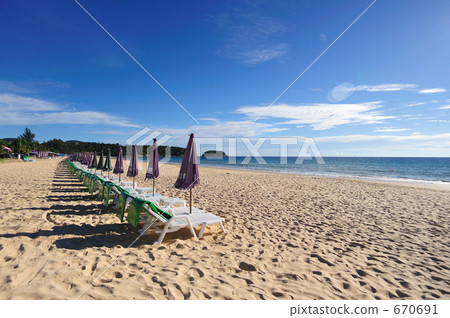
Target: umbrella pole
153	186
133	182
119	177
190	201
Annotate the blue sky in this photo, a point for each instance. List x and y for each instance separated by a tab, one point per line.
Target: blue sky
382	89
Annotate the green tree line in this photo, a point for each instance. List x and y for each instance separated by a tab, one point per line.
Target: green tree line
26	142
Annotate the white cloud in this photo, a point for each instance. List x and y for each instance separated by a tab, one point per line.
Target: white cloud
445	107
388	129
112	132
12	102
432	90
62	117
383	87
209	119
249	37
223	129
20	110
323	37
320	116
275	129
10	87
415	104
257	56
340	92
344	90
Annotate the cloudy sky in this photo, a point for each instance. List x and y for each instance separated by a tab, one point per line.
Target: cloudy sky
362	78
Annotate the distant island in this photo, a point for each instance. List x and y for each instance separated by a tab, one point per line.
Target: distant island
214	154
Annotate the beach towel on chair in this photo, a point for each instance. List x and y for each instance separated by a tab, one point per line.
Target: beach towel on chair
134	211
121	206
107	194
163	214
93	182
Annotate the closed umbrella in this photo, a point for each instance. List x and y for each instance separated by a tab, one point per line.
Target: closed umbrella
89	159
107	166
118	168
94	162
100	163
153	164
133	169
188	176
84	160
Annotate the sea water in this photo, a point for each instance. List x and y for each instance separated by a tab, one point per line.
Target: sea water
435	170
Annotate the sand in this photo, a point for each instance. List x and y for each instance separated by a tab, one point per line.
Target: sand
288	237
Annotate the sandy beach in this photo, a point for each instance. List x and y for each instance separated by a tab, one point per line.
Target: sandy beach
288	237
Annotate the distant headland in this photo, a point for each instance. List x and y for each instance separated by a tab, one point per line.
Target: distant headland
214	154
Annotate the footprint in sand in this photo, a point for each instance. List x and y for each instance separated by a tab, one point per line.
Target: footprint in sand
247	267
361	273
277	294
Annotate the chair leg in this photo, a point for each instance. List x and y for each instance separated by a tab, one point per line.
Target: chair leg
146	227
223	229
202	230
191	227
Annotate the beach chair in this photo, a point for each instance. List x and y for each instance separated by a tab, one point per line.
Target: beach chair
162	221
162	200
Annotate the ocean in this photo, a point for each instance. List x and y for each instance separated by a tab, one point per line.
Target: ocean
432	170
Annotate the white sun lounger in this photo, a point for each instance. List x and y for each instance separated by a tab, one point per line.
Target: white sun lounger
163	226
162	200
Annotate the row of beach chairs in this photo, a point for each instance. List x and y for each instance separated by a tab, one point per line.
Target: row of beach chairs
159	213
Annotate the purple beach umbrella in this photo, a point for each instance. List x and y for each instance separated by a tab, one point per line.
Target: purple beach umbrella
118	168
133	169
89	159
153	164
85	159
188	176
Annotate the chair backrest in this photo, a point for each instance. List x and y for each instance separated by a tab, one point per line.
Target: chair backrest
156	212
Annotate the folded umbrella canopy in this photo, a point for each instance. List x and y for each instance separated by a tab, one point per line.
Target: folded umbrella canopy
94	162
153	164
100	163
133	169
89	159
85	159
118	168
107	166
188	176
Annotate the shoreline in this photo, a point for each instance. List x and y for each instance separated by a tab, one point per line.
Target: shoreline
425	184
